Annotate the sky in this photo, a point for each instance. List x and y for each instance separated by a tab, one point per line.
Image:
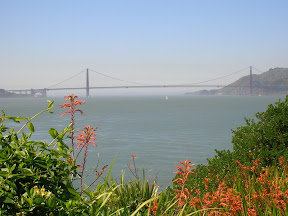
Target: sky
148	41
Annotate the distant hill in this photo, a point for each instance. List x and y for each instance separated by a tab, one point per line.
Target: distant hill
272	82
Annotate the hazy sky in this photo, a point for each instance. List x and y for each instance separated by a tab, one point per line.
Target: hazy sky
148	41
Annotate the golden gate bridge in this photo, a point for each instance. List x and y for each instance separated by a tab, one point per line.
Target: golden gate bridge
123	84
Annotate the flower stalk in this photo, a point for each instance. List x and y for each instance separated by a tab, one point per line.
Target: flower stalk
72	110
84	138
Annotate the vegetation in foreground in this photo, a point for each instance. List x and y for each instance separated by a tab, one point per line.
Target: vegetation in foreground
37	177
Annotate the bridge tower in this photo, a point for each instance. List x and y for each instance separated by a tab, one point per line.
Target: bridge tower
87	83
251	87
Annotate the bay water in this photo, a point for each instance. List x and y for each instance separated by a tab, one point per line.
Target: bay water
159	131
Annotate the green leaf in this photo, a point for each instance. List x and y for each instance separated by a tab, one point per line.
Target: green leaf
15	119
20	153
110	169
53	133
13	146
12	168
29	201
72	191
26	171
142	205
37	200
50	105
9	200
31	127
52	202
3	173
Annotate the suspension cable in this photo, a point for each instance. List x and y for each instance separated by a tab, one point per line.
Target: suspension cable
67	79
219	77
118	78
258	70
145	84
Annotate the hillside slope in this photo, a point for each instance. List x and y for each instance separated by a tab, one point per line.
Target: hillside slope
272	82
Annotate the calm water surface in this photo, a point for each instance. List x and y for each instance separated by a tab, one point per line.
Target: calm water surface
160	132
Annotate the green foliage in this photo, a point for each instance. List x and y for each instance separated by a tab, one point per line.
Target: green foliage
125	197
265	137
34	177
133	193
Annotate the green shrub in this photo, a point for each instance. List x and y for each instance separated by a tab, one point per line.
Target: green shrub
34	176
264	137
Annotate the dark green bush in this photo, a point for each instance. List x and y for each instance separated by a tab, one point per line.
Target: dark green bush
264	137
34	176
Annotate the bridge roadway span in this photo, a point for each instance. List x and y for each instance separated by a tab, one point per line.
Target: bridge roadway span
105	87
143	86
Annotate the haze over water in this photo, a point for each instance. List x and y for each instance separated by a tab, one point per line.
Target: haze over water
160	132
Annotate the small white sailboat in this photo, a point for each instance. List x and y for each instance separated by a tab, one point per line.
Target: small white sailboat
166	97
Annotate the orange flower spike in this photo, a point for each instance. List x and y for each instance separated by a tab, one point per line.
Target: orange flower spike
79	102
185	167
184	194
64	113
154	207
72	110
65	105
255	164
179	168
135	172
252	212
71	97
281	160
186	164
73	103
70	160
86	136
206	182
179	180
92	142
133	155
84	139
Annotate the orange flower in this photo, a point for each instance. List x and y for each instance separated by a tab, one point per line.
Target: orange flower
183	194
153	208
70	160
72	110
281	160
133	155
87	136
73	103
135	172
